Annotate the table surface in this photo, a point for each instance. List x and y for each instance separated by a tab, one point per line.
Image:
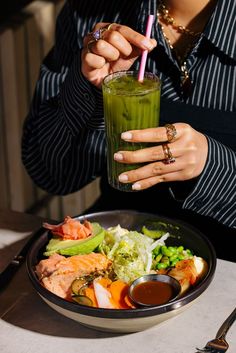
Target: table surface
29	325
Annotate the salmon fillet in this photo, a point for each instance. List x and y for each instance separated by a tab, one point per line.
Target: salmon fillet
58	272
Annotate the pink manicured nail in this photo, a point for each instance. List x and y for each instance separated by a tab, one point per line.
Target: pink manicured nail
123	177
118	156
126	135
136	186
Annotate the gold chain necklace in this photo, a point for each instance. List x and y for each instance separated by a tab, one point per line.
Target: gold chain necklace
164	14
186	82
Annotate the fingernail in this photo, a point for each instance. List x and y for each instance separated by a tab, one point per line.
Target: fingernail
146	43
118	156
123	177
126	135
136	186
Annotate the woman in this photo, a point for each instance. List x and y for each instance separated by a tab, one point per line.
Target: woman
193	51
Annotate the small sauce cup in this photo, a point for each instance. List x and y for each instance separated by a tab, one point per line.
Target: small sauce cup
154	289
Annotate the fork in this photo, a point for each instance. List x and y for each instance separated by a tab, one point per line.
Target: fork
219	344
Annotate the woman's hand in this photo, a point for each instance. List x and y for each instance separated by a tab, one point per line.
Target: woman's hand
117	50
189	149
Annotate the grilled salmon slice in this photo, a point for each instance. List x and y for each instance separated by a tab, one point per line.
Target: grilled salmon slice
58	272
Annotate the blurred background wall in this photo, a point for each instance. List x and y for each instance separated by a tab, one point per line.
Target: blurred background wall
26	35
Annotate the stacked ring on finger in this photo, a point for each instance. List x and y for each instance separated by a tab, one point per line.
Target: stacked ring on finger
170	132
97	35
167	154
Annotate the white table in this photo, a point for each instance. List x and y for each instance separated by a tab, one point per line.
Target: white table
28	325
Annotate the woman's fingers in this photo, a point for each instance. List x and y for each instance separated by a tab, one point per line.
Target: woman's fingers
149	154
182	158
151	174
156	169
125	34
109	48
94	61
151	181
154	134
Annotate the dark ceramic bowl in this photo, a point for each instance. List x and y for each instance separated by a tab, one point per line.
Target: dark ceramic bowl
128	320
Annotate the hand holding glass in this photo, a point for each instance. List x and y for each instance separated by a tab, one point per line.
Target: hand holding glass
128	105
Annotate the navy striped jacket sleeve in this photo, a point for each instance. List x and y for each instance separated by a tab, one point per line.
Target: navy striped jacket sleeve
215	193
63	144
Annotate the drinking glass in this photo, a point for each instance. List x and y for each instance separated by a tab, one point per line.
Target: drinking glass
128	105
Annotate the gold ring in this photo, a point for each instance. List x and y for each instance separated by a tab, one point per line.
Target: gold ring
170	132
89	45
168	156
109	26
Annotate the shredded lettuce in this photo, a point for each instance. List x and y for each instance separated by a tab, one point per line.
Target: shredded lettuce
130	252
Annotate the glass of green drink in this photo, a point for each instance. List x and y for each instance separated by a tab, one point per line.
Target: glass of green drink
128	105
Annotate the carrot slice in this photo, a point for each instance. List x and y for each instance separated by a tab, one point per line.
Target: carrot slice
119	291
104	281
89	292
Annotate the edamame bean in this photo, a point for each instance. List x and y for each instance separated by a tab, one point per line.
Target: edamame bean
180	249
173	257
173	263
156	250
161	265
165	251
158	258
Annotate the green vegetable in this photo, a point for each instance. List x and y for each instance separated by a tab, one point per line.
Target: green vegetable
129	251
156	251
78	284
158	258
154	234
83	300
161	265
168	256
75	247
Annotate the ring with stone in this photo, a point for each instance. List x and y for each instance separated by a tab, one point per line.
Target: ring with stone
98	34
168	156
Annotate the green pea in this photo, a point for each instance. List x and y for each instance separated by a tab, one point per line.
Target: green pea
173	263
173	249
181	257
165	251
158	258
174	257
161	265
165	259
156	250
180	249
189	252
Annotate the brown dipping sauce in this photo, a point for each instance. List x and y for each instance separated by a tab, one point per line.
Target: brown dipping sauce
153	292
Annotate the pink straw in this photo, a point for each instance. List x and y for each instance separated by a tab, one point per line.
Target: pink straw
145	52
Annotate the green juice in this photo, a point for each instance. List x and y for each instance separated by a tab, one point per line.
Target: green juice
128	105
